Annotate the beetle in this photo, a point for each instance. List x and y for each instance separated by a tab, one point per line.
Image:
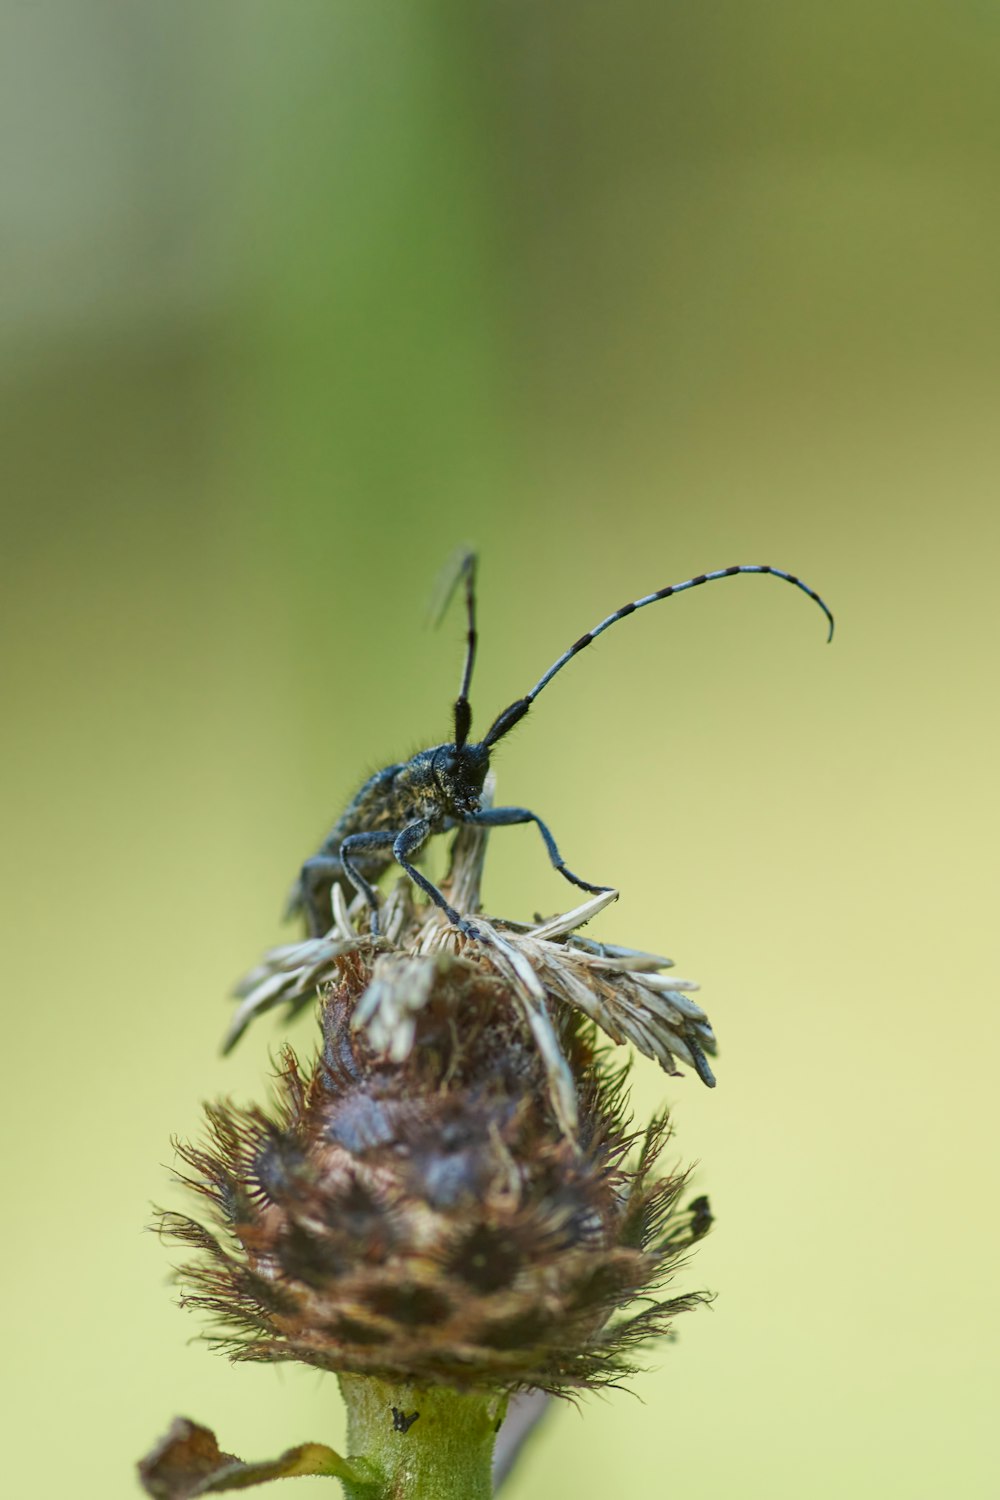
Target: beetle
397	810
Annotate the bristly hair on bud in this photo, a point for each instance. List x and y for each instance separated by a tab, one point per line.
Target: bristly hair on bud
453	1193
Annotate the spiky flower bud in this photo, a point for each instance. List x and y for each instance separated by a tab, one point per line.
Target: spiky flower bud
452	1194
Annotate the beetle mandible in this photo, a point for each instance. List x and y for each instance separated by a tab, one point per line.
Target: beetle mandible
401	807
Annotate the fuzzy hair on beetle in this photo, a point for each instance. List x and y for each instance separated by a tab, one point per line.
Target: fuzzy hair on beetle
397	810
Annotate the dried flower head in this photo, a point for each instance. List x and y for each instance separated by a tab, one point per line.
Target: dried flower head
453	1192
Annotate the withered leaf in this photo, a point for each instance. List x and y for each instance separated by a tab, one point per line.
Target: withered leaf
188	1461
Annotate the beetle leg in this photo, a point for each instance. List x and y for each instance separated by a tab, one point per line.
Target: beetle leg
502	817
311	894
353	843
409	843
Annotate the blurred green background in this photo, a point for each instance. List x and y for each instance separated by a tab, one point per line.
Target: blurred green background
296	300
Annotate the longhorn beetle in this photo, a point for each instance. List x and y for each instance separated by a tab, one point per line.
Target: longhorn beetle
400	808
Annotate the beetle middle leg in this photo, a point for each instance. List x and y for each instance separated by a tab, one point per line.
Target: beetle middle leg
354	843
503	817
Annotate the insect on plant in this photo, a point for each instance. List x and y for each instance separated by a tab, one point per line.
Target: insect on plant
399	808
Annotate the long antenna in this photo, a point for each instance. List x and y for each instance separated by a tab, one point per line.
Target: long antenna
510	716
465	568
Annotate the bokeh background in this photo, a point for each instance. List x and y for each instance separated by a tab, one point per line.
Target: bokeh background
297	299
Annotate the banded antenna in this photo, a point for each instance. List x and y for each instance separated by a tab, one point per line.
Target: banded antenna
516	711
464	567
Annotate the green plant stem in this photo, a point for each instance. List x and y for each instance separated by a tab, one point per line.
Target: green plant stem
444	1452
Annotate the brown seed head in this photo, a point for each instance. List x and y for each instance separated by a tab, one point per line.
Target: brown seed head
453	1192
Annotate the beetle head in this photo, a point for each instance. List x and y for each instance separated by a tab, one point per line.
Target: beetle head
460	774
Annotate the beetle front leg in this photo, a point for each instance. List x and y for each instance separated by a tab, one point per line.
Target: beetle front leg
409	843
504	817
